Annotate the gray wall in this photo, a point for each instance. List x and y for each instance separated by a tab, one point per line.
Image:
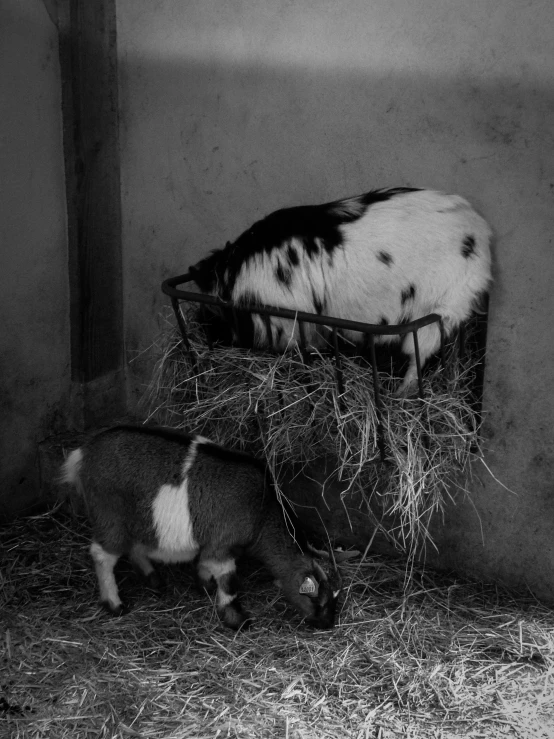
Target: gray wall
34	335
230	110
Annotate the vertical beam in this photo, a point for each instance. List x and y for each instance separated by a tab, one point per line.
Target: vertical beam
88	54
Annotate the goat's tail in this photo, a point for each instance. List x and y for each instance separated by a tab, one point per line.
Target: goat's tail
71	467
70	474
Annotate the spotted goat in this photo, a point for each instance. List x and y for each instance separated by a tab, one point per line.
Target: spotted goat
385	257
156	494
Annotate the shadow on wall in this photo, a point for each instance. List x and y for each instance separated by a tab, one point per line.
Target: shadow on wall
208	149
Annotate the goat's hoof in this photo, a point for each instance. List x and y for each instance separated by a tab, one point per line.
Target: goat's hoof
154	582
236	619
404	392
206	586
114	610
245	625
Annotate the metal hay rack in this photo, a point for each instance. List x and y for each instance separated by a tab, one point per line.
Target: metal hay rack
171	288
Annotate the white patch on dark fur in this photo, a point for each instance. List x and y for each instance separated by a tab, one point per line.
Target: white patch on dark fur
104	562
216	569
172	521
225	599
72	466
191	454
202	440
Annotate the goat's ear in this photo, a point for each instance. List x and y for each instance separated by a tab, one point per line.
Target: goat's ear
309	586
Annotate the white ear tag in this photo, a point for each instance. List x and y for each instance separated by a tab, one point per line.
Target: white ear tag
308	587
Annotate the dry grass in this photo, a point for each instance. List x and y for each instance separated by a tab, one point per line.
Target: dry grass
440	659
276	406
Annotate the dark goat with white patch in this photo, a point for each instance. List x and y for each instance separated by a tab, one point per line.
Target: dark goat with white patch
158	494
386	257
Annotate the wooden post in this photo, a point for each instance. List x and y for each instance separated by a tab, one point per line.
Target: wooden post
88	55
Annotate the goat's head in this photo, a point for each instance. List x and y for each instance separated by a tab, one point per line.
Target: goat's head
315	594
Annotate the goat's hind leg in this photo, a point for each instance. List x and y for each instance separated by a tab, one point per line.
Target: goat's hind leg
223	571
104	563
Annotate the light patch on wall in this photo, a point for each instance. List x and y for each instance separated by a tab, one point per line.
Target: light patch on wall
430	36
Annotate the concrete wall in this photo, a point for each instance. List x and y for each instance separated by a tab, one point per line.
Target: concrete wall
230	110
34	334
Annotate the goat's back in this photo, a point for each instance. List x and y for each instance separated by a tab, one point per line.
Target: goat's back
385	257
150	484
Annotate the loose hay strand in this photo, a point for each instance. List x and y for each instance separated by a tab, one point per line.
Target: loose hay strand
290	413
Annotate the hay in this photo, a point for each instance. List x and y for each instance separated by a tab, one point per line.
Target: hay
443	658
290	412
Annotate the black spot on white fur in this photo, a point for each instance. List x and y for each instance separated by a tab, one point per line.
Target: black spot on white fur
283	275
292	256
314	228
385	257
407	294
318	305
311	246
468	246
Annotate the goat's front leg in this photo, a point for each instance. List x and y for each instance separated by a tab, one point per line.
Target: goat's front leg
409	384
223	571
